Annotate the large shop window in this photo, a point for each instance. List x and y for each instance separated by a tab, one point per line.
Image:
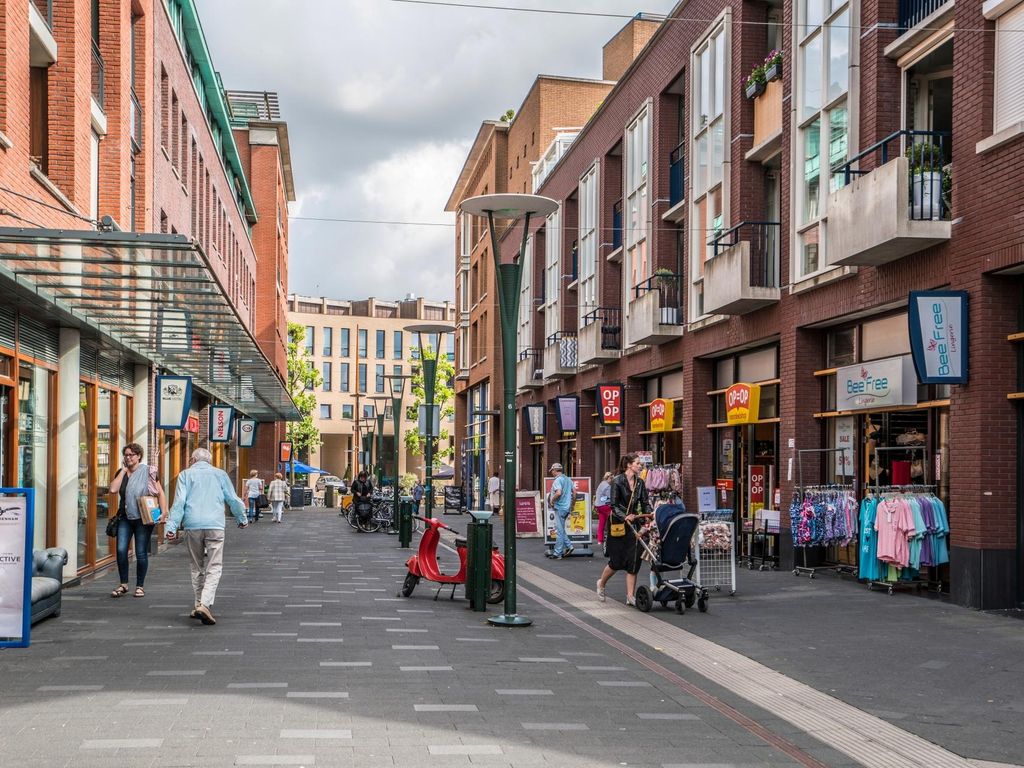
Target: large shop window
638	156
823	112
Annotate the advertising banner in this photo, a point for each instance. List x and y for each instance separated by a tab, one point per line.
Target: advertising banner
743	403
173	399
221	418
661	414
609	403
528	516
577	524
846	426
246	433
876	384
938	336
535	420
755	483
284	451
15	566
567	409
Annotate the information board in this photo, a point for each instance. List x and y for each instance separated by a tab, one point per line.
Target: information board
454	500
528	517
577	524
16	506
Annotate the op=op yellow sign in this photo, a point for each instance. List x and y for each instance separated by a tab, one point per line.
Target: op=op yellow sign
742	403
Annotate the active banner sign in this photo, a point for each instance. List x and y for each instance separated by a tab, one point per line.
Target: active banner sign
16	505
938	336
609	401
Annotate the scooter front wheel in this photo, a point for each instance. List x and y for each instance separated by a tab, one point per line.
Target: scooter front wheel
411	580
497	591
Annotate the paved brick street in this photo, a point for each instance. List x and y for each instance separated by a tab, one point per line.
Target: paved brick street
316	662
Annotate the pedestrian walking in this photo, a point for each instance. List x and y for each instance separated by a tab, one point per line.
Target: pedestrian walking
201	492
603	505
277	494
629	503
253	491
561	498
417	496
133	481
494	492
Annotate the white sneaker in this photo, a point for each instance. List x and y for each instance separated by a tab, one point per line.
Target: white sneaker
600	591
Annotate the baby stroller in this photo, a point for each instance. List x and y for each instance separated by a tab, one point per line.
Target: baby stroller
676	527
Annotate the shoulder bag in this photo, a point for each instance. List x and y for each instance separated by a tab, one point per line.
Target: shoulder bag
618	530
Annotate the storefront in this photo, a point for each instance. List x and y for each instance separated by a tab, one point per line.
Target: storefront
662	417
609	413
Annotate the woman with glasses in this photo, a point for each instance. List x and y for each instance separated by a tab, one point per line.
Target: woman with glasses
133	481
629	502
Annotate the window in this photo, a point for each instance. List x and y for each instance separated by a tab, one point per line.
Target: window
710	76
328	341
1009	88
379	379
325	411
346	411
552	268
362	377
362	343
637	162
465	235
822	86
449	342
397	345
327	376
381	338
39	117
345	338
368	413
526	307
309	339
588	239
343	377
94	175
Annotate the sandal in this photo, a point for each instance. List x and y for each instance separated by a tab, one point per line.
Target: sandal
121	590
139	592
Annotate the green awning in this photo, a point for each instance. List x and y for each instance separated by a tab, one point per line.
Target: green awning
155	295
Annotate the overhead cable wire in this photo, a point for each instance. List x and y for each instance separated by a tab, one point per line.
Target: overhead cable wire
43	203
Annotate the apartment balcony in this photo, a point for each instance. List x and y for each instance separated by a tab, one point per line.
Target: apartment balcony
912	12
897	209
655	313
767	123
743	274
676	186
560	356
529	369
42	46
600	339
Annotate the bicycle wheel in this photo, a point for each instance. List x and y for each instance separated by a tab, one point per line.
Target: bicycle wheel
351	517
368	524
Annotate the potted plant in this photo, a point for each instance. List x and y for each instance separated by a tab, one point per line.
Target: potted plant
773	66
667	283
925	180
755	82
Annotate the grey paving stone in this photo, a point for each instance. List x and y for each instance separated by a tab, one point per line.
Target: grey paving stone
275	760
68	688
666	716
288	733
555	726
464	749
176	672
441	668
346	663
624	683
257	685
524	692
122	744
445	708
317	695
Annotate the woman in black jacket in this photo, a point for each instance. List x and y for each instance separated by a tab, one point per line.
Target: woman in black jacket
629	503
362	496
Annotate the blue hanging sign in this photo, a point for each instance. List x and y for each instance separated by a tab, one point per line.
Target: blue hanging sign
221	421
246	433
567	410
16	528
173	399
938	336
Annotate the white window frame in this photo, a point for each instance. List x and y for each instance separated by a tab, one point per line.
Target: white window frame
526	308
465	235
564	137
588	196
552	273
1005	86
464	289
803	220
636	211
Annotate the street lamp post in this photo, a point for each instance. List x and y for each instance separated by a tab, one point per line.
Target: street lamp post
380	409
367	457
508	278
432	343
396	382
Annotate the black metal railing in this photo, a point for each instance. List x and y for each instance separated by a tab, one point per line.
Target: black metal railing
537	356
669	287
98	75
135	123
526	354
927	152
675	175
763	237
913	12
567	348
617	226
610	320
45	8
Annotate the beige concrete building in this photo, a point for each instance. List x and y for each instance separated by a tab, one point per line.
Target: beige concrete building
356	345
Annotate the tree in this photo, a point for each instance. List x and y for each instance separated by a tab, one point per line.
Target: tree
303	379
444	399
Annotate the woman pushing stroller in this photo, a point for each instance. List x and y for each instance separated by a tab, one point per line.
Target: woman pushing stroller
629	503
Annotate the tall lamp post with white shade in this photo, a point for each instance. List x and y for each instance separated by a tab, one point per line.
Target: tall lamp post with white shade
429	337
508	276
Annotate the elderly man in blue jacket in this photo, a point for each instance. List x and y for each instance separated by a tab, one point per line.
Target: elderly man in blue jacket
201	492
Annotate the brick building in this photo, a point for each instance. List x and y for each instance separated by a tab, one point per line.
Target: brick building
710	244
130	237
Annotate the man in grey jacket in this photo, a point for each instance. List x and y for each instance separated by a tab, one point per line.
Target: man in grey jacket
201	492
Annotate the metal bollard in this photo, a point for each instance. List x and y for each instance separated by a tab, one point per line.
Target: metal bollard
405	522
478	561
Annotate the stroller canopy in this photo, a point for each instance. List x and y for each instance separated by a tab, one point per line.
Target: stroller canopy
676	527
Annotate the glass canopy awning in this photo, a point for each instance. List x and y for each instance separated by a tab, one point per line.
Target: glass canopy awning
153	294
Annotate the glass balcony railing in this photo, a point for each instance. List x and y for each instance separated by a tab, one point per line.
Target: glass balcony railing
45	8
98	75
135	123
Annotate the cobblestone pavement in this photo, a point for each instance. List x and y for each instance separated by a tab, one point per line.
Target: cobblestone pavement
315	661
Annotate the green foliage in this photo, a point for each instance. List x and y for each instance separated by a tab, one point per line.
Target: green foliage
405	483
924	156
444	399
507	116
756	76
303	379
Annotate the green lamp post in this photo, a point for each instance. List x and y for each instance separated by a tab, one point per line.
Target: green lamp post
508	277
380	409
396	382
429	338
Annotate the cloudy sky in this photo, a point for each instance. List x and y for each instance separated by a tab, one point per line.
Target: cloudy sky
383	100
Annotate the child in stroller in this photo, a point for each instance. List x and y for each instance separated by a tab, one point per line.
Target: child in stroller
674	552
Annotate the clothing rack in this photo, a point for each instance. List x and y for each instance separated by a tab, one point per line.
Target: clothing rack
809	571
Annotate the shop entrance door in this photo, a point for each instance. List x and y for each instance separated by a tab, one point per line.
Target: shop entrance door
756	480
5	436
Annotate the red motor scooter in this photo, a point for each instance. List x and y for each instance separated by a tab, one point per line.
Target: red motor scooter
423	565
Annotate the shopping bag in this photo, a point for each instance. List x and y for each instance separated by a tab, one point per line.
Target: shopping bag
149	510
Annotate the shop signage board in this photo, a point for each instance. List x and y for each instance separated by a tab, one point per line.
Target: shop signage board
567	409
577	524
609	398
246	433
221	421
660	413
16	526
845	426
876	384
535	419
284	451
192	424
173	399
938	336
756	477
706	499
529	523
743	403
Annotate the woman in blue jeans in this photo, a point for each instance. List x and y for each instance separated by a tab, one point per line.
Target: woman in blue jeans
133	481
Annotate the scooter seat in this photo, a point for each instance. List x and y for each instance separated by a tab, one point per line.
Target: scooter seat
460	541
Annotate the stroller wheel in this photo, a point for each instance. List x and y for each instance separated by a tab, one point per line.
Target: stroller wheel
690	598
702	605
680	608
644	599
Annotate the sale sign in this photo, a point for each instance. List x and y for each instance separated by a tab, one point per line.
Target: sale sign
661	412
755	486
609	402
742	403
